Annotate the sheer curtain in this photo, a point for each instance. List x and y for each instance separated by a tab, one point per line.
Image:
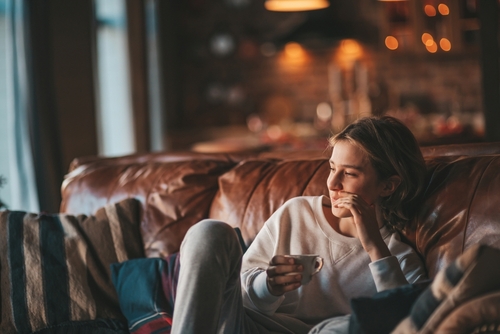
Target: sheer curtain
21	173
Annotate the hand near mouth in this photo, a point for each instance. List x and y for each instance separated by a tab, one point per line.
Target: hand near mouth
365	220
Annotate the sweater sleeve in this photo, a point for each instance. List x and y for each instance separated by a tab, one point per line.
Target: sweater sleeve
403	267
273	238
256	295
387	273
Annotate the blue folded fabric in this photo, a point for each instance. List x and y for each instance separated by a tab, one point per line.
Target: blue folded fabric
146	291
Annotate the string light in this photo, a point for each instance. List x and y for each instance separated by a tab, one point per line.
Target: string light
429	10
443	9
445	44
391	43
432	48
427	39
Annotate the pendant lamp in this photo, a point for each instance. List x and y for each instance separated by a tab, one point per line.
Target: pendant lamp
295	5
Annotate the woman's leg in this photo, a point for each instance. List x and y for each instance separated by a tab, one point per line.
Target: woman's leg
208	296
335	325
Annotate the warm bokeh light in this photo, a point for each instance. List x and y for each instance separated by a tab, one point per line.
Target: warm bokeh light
254	123
294	50
432	48
293	57
295	5
274	132
350	46
443	9
391	43
430	10
324	111
427	39
348	52
445	44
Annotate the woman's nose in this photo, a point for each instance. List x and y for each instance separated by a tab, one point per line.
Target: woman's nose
334	183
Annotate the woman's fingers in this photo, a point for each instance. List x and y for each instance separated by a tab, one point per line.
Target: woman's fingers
281	259
283	275
283	269
348	203
352	201
285	279
280	284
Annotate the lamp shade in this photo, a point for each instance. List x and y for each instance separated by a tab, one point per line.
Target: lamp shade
295	5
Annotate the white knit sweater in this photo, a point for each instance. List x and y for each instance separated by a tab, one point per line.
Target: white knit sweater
300	227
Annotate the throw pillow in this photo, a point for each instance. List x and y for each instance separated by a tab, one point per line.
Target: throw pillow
472	274
55	268
146	288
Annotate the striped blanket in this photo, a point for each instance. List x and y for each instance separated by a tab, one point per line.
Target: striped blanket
55	268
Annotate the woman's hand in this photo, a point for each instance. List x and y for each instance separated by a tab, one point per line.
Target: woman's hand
367	227
279	279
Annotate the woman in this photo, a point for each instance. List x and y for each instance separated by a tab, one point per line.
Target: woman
376	178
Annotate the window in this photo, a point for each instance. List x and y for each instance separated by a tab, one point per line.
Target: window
17	163
4	163
114	116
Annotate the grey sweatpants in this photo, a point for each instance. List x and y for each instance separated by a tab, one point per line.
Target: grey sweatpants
209	298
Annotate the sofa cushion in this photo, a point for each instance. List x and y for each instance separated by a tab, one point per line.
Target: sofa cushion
55	268
460	209
175	194
250	193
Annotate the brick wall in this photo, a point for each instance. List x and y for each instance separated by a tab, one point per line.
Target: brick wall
252	79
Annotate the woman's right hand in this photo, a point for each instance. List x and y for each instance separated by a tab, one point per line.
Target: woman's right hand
279	279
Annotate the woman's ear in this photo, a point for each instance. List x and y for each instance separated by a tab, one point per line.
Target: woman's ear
390	185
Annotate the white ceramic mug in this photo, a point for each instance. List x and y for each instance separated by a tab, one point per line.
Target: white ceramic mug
312	264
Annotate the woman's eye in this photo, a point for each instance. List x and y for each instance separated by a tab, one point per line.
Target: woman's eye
350	174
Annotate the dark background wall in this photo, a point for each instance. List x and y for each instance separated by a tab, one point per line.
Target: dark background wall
222	89
203	90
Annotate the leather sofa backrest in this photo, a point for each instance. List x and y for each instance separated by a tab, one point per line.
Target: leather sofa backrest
177	190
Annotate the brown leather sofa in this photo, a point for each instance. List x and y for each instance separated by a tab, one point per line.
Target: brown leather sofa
461	205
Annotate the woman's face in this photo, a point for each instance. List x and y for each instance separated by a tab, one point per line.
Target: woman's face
352	172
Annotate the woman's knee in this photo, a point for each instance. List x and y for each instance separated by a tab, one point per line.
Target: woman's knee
211	234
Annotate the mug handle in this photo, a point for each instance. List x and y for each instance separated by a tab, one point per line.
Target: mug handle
319	260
